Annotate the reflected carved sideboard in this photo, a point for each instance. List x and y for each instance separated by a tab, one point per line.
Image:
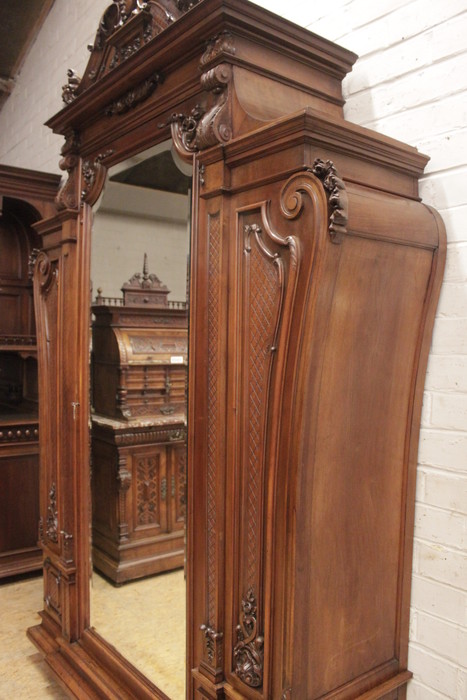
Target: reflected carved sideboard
139	431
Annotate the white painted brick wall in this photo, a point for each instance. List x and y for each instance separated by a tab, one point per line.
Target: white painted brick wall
410	83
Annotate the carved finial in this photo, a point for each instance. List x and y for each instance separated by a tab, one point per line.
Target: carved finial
145	268
69	90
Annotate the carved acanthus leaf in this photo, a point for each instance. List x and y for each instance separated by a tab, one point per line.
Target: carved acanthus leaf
337	197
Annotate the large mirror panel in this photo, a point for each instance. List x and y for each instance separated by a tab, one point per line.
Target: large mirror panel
139	316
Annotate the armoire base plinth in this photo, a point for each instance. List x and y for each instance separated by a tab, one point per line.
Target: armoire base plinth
91	668
392	689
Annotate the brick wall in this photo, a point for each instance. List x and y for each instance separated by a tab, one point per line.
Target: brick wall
24	140
410	83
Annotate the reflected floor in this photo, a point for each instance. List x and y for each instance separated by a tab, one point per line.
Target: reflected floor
145	621
154	620
23	672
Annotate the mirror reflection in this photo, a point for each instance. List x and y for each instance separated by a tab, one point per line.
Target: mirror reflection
140	246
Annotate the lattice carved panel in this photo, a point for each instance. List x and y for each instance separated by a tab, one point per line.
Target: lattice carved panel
148	488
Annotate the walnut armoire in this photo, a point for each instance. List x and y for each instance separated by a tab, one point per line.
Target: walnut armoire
315	274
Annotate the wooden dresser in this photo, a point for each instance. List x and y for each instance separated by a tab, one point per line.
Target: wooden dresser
139	430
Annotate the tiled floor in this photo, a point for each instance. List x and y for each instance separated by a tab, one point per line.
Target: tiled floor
23	673
136	618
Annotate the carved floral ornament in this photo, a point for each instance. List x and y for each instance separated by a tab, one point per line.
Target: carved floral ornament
249	650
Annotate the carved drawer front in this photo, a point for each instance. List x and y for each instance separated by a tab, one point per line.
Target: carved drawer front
155	390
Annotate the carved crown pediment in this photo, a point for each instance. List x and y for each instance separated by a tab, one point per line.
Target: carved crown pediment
125	27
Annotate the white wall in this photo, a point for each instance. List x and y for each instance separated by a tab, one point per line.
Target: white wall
132	221
409	83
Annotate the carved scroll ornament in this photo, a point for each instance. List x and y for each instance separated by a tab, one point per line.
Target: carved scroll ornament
41	265
206	126
249	650
304	182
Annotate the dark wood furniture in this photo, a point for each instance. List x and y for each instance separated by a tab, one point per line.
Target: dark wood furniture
315	274
26	196
139	382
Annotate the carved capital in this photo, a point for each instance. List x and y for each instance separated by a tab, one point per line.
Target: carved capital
249	650
337	197
67	549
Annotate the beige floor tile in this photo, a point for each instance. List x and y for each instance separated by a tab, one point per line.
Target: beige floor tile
137	618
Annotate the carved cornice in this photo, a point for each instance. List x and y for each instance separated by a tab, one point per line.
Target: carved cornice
337	197
249	650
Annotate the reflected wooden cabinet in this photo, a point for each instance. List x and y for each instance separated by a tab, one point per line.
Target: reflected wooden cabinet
25	196
315	275
139	499
139	430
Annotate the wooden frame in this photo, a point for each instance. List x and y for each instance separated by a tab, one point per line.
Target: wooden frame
315	275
